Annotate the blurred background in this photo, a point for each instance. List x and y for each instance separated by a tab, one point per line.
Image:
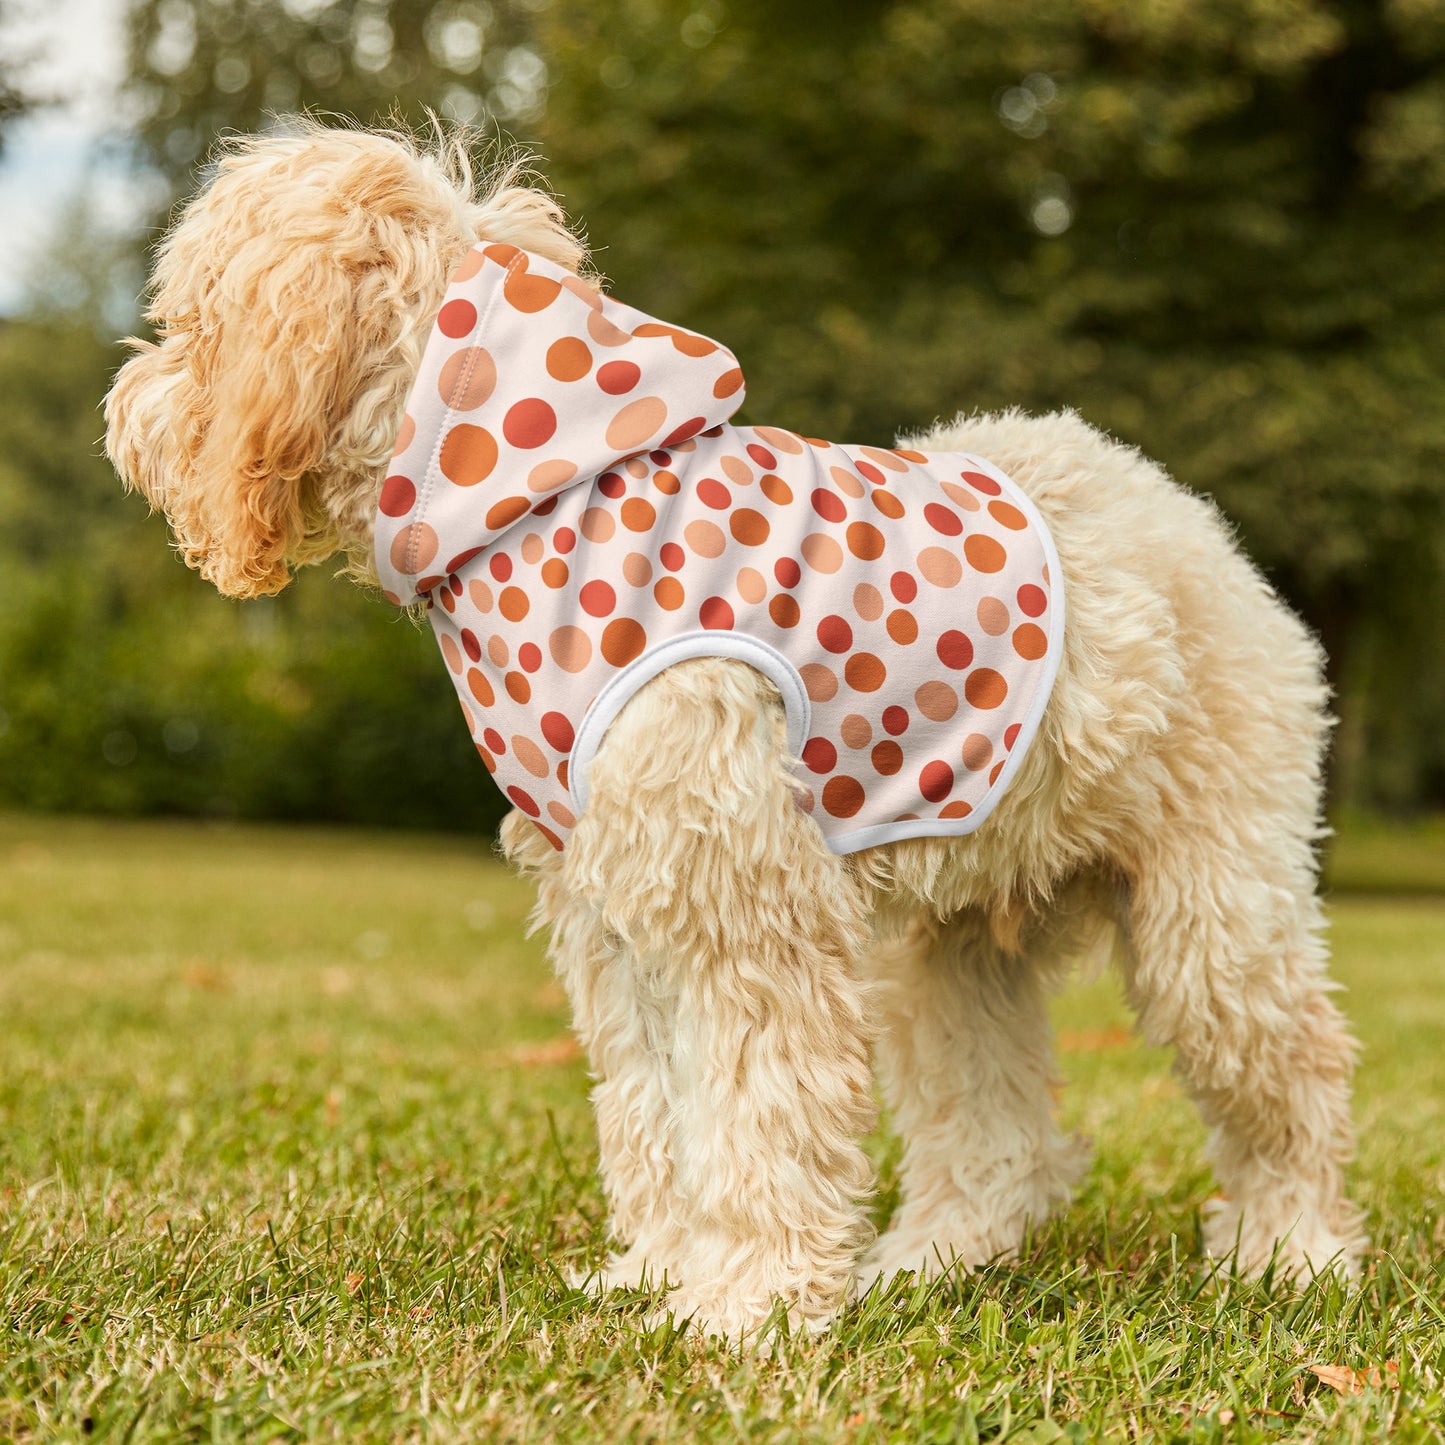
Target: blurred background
1214	227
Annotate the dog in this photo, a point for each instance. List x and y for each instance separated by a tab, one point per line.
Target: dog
733	966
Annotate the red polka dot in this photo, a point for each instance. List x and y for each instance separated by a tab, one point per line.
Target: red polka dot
942	520
955	650
558	731
525	802
895	721
828	505
529	423
1032	600
473	647
1011	735
935	782
787	571
618	377
456	318
687	429
461	560
903	587
887	758
398	496
529	655
819	755
549	835
598	599
716	613
867	469
501	566
762	456
843	797
980	483
564	540
712	493
493	740
835	634
611	485
672	556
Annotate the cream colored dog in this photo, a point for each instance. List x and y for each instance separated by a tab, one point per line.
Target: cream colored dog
729	976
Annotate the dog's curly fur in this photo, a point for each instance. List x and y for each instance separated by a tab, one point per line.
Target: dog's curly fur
729	976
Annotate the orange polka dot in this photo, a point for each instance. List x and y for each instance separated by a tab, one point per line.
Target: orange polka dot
728	382
637	569
570	647
940	567
669	594
985	688
822	553
886	758
984	554
638	514
530	293
956	809
855	730
596	524
865	541
1008	516
749	527
865	672
867	602
843	796
886	503
784	610
513	604
555	572
467	378
821	682
776	490
977	751
636	423
548	476
705	538
413	547
622	640
569	359
902	627
751	585
936	701
1030	641
530	756
468	454
479	687
505	512
666	482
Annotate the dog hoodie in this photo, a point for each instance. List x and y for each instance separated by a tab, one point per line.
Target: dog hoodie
572	503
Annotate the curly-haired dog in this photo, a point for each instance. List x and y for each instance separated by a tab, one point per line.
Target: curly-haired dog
730	972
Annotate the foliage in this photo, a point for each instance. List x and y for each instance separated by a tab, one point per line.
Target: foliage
280	1157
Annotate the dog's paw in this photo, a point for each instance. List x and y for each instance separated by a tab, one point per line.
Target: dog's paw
1298	1247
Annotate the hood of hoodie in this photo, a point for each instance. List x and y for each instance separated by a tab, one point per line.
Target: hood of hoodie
531	385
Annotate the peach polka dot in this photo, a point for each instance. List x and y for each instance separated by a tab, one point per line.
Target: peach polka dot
569	359
579	288
867	602
821	682
604	333
887	758
936	701
532	548
530	756
560	815
865	672
985	688
622	639
638	514
752	586
776	490
977	752
780	440
993	616
637	569
468	454
940	567
1030	641
1008	516
405	435
636	422
749	527
891	460
822	553
548	476
847	482
479	687
513	604
865	541
705	538
413	547
635	467
596	524
855	730
555	573
669	594
961	496
984	554
498	650
902	627
737	471
886	503
843	796
467	378
480	594
570	647
784	610
471	264
452	653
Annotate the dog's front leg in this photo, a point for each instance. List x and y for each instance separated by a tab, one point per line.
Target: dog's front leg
730	936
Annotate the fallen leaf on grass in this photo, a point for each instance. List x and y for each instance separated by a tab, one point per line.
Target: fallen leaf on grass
534	1056
198	974
1355	1382
354	1283
1093	1041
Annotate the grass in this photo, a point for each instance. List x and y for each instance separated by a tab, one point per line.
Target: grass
292	1146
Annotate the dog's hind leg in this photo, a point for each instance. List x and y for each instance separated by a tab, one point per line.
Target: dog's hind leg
742	932
966	1058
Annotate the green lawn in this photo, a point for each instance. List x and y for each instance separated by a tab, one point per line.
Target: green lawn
292	1145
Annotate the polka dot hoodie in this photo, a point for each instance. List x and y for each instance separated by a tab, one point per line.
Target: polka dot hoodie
570	499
